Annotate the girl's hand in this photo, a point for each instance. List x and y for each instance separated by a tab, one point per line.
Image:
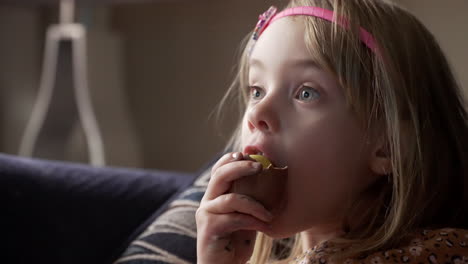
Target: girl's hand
227	222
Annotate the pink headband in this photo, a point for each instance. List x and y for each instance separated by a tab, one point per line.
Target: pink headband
270	16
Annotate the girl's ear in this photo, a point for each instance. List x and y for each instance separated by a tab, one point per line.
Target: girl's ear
380	160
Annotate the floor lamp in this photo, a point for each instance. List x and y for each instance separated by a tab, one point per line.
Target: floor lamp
73	34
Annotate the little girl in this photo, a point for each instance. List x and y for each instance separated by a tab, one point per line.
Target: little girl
358	100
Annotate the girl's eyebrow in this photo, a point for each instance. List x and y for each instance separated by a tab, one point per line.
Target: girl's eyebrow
295	63
256	63
303	63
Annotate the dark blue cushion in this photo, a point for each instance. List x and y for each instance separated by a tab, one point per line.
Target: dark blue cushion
171	237
59	212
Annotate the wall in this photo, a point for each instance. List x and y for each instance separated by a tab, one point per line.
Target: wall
20	44
448	21
179	60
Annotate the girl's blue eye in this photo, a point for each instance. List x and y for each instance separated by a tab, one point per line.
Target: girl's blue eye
256	92
308	94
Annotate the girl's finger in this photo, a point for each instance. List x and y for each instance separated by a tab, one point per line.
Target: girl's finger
215	226
222	178
233	202
226	158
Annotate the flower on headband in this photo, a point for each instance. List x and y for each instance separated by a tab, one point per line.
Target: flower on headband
263	21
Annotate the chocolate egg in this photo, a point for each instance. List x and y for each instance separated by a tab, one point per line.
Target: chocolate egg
267	187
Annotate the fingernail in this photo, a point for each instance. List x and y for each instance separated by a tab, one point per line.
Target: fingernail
256	165
236	155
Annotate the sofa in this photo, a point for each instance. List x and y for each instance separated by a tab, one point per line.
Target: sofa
63	212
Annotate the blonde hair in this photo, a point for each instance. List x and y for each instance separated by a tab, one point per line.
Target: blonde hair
408	94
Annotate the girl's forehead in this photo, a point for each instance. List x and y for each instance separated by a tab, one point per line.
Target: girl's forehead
282	41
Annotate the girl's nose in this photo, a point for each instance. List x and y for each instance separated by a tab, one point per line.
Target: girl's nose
263	117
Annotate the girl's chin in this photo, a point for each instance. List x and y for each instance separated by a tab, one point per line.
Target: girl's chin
280	230
279	234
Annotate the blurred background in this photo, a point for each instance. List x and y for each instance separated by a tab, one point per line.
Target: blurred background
156	71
